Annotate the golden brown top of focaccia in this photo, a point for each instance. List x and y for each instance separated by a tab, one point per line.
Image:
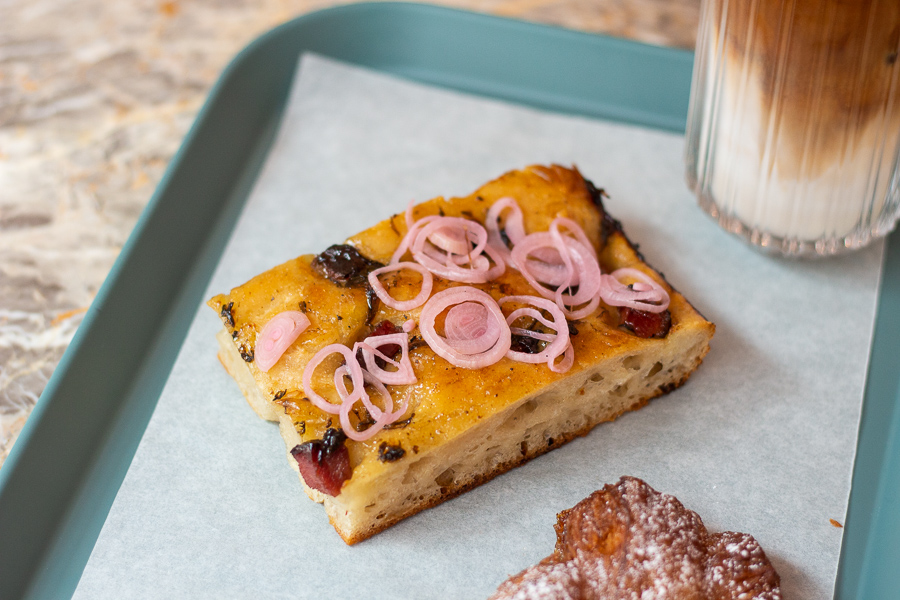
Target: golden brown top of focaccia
446	400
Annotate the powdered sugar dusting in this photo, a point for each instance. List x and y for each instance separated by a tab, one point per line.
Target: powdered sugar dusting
547	580
629	542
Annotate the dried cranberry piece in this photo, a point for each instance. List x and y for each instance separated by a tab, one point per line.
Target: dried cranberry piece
343	265
324	464
645	324
384	328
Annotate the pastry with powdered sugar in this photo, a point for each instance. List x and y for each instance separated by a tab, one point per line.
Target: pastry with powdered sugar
628	541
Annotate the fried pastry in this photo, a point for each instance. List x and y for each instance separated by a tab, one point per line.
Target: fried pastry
629	541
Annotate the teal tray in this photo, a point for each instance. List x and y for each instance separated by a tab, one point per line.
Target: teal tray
60	480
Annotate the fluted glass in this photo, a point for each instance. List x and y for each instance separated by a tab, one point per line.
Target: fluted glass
793	135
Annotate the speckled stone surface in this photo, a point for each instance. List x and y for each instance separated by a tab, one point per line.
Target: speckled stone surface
95	97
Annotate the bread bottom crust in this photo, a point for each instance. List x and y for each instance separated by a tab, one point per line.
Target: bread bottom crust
536	424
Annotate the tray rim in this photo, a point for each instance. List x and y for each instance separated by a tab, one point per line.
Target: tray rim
872	574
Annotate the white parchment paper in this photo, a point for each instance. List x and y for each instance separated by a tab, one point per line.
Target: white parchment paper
761	439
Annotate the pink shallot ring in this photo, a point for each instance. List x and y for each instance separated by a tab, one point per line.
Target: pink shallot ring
644	294
277	336
476	336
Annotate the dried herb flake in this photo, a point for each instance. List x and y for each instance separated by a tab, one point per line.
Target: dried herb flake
389	453
227	314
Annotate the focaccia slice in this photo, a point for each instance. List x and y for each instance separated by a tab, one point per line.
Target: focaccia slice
462	427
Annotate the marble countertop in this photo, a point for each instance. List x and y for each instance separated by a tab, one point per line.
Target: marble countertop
95	97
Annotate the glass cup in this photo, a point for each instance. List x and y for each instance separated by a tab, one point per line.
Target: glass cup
793	133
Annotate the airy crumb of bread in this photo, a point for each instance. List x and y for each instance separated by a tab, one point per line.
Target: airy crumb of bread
536	424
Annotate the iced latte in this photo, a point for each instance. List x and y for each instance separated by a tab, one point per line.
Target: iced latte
794	126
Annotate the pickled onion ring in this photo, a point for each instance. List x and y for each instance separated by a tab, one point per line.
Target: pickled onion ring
451	247
470	328
384	296
412	232
455	238
382	417
453	351
646	294
568	355
577	266
559	343
566	363
544	261
343	371
359	378
355	371
514	227
454	235
586	269
444	246
576	230
404	375
276	336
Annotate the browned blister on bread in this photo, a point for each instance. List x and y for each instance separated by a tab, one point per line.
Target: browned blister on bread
462	427
629	541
